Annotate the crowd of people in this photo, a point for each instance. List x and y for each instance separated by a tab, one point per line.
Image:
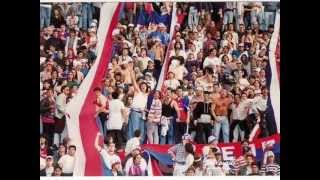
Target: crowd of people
215	89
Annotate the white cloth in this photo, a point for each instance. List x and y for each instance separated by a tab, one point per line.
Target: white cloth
61	103
109	159
172	83
179	71
240	112
49	171
67	163
179	169
131	145
139	101
243	83
42	163
208	61
116	119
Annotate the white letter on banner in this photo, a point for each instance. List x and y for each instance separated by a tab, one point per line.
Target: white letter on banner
264	144
228	153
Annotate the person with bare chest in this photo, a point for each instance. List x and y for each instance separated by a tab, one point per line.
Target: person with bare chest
221	106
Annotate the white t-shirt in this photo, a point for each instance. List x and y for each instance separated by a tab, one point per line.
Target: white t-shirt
240	112
67	163
178	71
109	159
243	83
180	53
139	101
144	61
131	144
209	61
42	163
172	83
115	117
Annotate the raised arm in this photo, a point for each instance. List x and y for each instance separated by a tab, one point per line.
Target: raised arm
96	142
134	82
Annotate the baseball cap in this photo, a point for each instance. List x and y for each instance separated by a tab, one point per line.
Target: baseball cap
269	153
186	137
130	25
161	25
49	157
211	139
148	74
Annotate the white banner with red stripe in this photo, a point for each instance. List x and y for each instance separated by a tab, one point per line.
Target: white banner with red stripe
76	125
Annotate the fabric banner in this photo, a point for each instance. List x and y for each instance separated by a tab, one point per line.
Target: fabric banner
229	151
274	87
81	124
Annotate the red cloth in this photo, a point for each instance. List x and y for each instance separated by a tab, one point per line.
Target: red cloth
182	112
148	8
180	17
129	5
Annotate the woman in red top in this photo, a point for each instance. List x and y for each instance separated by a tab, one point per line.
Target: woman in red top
180	16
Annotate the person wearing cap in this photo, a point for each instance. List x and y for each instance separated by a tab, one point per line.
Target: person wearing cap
160	33
212	143
209	161
188	156
203	119
222	167
116	169
177	38
48	170
107	153
270	167
178	151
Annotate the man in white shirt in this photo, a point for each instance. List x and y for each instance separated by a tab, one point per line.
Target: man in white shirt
240	109
171	82
66	162
59	115
212	60
107	153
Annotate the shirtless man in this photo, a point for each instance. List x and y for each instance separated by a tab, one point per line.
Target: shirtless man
221	106
215	92
125	72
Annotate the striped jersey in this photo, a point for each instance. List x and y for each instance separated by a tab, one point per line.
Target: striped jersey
270	169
